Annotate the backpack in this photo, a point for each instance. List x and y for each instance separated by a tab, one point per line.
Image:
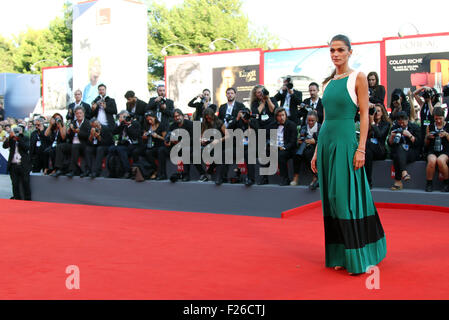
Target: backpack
114	166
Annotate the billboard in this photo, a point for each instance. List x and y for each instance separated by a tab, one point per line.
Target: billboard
57	92
110	47
314	65
413	62
187	76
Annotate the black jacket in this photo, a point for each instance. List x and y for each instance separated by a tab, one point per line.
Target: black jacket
222	110
377	94
264	124
111	110
23	147
290	135
141	107
295	101
416	132
106	138
199	108
379	132
84	133
133	132
166	114
319	110
71	114
34	138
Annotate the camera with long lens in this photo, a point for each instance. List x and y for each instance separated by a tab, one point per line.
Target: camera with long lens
97	130
372	111
58	121
437	146
265	92
162	101
427	94
398	135
305	106
16	130
129	117
228	118
303	145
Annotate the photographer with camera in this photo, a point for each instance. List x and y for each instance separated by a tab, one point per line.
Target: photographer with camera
405	145
289	99
376	90
19	165
228	111
99	141
424	97
104	108
78	103
201	102
377	135
55	134
312	103
162	107
437	142
307	140
398	103
245	121
136	106
38	144
129	141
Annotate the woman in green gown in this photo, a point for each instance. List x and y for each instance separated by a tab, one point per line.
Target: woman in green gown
354	237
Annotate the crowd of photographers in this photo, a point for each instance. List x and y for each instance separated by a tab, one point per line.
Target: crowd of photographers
96	139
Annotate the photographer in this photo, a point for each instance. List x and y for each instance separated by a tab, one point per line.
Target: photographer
162	107
405	144
136	106
287	135
19	165
398	103
289	99
423	97
312	103
201	103
78	103
99	141
263	105
437	142
307	140
38	144
228	111
376	90
245	120
129	142
104	108
55	135
377	134
153	139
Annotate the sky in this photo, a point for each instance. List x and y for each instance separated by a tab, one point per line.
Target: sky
297	23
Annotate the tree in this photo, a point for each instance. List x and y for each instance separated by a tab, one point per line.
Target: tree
6	55
195	24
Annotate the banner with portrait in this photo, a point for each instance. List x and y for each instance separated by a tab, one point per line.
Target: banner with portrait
57	89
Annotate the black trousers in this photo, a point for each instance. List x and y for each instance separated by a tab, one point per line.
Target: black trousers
94	157
39	160
20	179
401	158
50	154
305	158
72	152
373	152
283	157
164	155
125	152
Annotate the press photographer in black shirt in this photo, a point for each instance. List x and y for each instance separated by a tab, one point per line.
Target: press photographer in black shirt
55	134
104	108
78	103
162	107
19	165
201	103
313	103
98	143
377	134
136	106
376	90
398	103
424	98
38	144
405	144
129	141
437	142
289	99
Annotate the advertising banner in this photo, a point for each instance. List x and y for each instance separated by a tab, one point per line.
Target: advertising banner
314	65
57	89
187	76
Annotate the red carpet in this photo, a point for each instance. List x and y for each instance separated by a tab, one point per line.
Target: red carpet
143	254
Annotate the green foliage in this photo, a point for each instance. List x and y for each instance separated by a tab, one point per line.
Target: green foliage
195	24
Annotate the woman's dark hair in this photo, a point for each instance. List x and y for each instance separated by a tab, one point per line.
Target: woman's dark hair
373	73
384	112
438	112
216	122
58	115
345	39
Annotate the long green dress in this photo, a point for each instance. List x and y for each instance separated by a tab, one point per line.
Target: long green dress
354	237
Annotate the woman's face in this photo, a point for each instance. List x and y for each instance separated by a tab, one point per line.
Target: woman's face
208	119
340	53
439	121
311	120
372	81
259	94
150	120
397	103
378	114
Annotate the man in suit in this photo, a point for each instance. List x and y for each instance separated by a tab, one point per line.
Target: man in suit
104	108
229	111
162	107
289	99
78	103
203	101
99	141
136	106
312	103
77	136
19	164
287	136
38	144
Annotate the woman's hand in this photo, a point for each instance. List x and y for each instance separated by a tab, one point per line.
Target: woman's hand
313	164
359	160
